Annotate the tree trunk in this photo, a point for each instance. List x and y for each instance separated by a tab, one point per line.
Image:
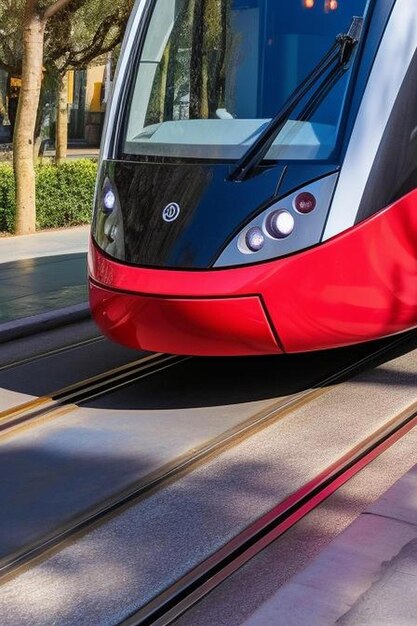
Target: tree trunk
3	111
61	139
40	117
196	69
34	30
164	78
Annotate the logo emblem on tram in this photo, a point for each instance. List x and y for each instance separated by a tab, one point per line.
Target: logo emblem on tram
171	212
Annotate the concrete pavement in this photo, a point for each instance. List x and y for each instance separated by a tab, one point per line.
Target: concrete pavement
42	280
367	575
76	152
44	244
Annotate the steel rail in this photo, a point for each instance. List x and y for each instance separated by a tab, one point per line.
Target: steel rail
44	355
49	406
191	588
180	466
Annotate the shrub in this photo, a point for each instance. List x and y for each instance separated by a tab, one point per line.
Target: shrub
64	194
7	198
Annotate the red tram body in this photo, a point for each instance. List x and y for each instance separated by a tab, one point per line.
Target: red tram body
322	250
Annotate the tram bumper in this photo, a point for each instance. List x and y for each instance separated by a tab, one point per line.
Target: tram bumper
201	327
358	286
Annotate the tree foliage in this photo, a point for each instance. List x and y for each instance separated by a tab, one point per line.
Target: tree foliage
85	31
11	36
49	36
76	36
64	194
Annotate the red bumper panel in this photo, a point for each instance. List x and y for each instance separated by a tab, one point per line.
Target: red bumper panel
358	286
203	327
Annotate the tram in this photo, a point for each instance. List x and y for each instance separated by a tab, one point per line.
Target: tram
258	174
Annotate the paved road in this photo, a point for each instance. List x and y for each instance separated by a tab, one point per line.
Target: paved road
124	562
42	272
44	244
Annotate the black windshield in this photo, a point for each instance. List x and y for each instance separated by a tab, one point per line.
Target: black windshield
212	74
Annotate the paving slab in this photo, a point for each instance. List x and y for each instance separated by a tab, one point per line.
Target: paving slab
122	564
43	278
401	502
45	243
367	575
33	286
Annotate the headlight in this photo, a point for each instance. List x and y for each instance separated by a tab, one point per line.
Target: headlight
108	231
109	199
280	224
254	239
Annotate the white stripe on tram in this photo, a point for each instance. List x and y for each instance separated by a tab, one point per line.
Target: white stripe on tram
394	56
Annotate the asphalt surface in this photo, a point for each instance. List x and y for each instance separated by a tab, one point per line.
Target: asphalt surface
38	373
262	592
45	243
32	286
42	273
85	455
32	347
123	563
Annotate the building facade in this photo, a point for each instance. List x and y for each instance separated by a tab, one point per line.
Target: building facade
87	91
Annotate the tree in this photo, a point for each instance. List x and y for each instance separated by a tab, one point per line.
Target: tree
49	37
11	36
75	39
35	19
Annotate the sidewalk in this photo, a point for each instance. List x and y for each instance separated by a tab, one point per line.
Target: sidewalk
73	152
42	279
82	152
367	575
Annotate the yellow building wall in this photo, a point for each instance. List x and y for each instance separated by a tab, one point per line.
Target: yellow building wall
70	83
95	77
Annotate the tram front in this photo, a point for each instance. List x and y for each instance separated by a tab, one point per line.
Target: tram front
229	124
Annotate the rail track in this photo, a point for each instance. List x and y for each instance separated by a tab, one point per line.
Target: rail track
177	599
173	602
28	413
52	352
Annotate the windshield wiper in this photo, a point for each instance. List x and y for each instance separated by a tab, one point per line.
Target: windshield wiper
338	56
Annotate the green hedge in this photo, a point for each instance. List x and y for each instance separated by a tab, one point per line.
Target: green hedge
64	194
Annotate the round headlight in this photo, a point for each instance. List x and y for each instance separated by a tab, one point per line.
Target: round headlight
109	200
280	224
255	239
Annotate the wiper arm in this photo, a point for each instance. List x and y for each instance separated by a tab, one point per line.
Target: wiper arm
339	56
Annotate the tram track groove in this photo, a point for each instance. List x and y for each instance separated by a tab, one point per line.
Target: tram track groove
180	597
32	412
53	352
179	467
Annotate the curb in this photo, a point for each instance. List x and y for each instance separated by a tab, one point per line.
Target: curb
34	324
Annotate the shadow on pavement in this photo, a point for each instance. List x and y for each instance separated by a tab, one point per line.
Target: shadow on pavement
33	286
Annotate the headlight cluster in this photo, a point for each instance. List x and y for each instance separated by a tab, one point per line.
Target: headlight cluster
109	221
278	224
292	223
